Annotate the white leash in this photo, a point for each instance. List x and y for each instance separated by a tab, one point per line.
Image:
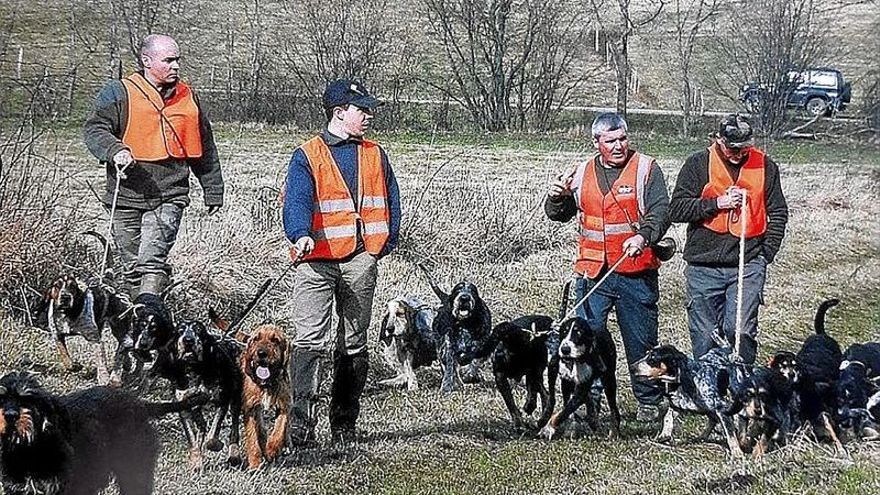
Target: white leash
120	175
741	274
596	286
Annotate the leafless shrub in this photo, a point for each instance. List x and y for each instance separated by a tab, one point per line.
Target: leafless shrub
37	234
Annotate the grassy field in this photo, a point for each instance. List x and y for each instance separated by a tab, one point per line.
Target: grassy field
473	209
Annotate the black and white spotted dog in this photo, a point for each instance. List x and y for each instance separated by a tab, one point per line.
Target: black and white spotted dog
465	323
694	386
586	354
408	338
84	308
199	361
859	379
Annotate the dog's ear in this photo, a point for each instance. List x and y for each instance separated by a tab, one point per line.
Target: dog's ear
288	350
383	333
222	324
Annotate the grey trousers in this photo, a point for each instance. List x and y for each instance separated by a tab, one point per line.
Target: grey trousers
711	306
144	238
350	284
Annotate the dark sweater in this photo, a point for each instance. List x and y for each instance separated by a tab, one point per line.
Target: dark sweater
652	225
705	247
299	201
149	184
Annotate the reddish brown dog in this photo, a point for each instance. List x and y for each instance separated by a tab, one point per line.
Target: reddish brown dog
265	365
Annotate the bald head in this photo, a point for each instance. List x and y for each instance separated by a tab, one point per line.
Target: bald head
159	57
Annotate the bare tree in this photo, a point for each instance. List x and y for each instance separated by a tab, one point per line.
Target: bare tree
554	70
346	41
508	63
139	18
690	17
765	42
625	22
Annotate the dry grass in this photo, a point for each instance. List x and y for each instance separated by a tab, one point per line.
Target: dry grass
479	216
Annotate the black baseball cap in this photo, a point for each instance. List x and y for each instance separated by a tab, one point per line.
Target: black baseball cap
343	92
735	131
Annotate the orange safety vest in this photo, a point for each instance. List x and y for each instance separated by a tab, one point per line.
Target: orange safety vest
336	218
751	178
159	129
605	223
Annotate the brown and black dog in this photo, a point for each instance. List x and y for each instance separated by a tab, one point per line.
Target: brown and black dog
265	365
77	307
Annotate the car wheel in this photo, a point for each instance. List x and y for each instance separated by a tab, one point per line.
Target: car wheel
816	106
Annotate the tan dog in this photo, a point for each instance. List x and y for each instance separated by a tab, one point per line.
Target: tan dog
265	364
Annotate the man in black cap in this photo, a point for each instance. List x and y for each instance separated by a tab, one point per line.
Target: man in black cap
709	194
342	214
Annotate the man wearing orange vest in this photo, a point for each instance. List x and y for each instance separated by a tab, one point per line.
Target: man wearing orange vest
708	196
620	199
342	213
149	130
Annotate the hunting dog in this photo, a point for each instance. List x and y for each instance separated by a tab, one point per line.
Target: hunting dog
767	402
585	355
84	308
465	323
265	364
526	347
408	338
73	443
202	361
694	386
859	378
813	373
150	328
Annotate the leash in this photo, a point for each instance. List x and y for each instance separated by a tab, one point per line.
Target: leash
598	284
740	275
120	176
268	285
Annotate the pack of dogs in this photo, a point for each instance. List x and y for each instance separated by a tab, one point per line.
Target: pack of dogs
45	439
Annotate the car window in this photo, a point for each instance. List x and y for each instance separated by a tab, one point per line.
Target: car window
824	79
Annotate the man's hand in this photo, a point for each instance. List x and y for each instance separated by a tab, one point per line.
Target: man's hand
634	245
561	186
732	199
213	209
121	160
304	245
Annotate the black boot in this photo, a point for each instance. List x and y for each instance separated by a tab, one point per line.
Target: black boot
349	379
305	367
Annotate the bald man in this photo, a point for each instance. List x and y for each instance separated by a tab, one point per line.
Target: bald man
150	130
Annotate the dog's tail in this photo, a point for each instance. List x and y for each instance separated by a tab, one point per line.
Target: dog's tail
433	283
819	321
159	409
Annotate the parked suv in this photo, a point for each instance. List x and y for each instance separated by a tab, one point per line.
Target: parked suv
819	91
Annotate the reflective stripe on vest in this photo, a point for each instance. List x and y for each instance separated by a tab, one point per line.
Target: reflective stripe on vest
605	223
159	129
336	218
751	178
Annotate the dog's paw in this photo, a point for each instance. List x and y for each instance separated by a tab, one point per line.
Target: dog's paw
196	459
547	432
214	444
234	456
664	439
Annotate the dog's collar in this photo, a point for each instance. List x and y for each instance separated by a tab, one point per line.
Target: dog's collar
847	363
